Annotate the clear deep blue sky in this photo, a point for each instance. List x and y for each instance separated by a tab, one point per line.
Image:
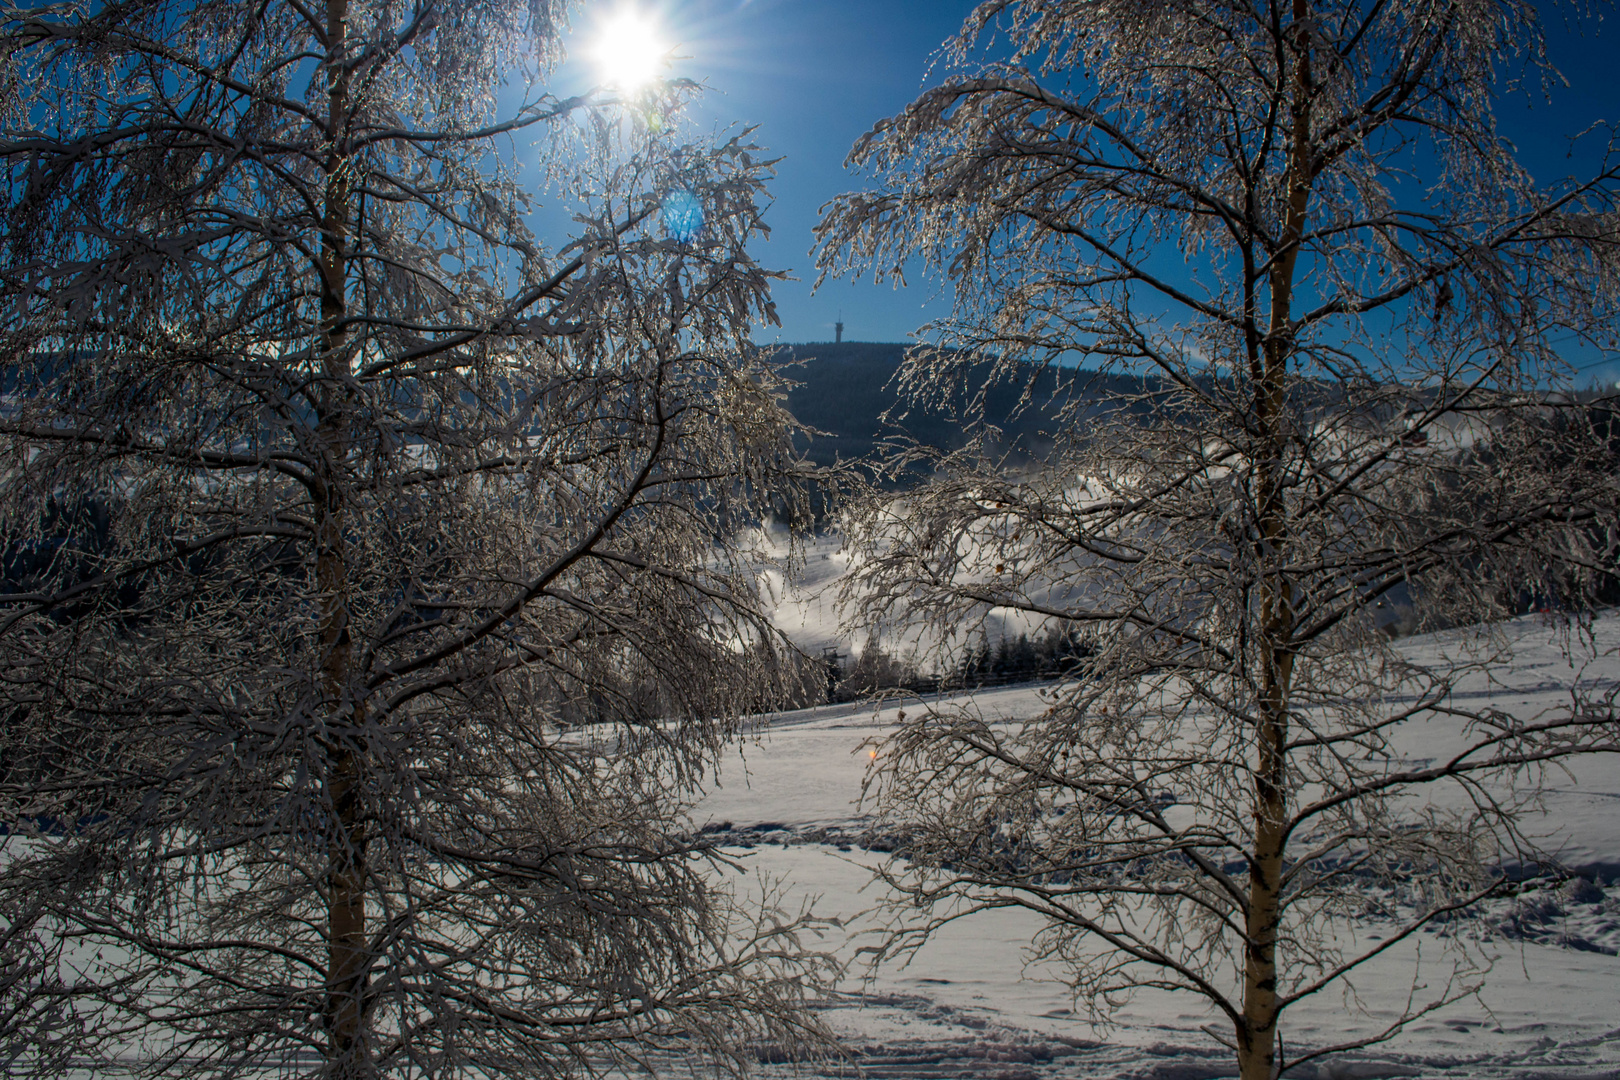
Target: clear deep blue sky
815	74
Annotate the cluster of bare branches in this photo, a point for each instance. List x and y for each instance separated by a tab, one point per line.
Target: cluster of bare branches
1345	307
331	493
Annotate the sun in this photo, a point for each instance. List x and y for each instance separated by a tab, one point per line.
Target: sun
628	50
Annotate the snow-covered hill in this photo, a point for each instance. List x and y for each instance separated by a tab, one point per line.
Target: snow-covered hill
788	805
806	604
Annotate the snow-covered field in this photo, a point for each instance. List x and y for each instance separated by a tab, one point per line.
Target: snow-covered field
968	1006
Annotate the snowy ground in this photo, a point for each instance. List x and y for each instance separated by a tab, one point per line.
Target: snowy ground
966	1006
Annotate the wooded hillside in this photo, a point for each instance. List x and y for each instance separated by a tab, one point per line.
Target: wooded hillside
844	390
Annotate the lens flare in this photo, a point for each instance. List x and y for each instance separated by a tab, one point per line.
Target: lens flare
628	51
682	214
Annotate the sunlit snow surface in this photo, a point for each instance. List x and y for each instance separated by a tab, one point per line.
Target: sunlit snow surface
966	1006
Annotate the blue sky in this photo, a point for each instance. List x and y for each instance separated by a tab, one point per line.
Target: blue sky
815	74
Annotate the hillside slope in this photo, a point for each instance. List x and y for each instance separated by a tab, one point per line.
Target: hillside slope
845	390
972	1005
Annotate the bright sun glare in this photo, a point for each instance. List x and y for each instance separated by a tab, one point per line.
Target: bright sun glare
628	51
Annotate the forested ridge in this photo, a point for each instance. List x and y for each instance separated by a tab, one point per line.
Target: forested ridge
847	394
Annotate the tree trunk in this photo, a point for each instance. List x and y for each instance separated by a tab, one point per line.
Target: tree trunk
348	958
347	952
1257	1033
1257	1037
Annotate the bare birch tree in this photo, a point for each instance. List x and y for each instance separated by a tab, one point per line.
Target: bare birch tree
1343	303
370	601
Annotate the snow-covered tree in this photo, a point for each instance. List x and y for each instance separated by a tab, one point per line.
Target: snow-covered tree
1344	304
369	599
